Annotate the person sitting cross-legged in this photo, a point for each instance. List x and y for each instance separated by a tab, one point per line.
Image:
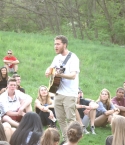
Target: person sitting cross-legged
45	108
15	103
87	111
106	109
11	62
119	100
3	79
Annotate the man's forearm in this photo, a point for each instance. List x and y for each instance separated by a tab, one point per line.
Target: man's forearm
15	62
11	113
7	61
70	76
121	108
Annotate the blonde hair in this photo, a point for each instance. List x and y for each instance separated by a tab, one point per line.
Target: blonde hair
108	101
50	136
118	130
48	99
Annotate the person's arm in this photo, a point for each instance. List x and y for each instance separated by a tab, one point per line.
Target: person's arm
27	101
38	105
51	105
15	62
121	108
11	113
109	112
70	76
41	107
82	106
7	61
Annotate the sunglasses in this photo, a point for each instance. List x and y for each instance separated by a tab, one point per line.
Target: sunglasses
9	53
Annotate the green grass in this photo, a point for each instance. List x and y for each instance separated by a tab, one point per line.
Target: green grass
100	67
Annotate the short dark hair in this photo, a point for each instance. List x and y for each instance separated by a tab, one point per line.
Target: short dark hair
11	80
10	50
62	38
15	75
120	88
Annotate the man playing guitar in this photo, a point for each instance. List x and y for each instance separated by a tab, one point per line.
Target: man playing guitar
66	95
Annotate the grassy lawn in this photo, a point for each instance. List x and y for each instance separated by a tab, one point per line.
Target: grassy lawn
101	66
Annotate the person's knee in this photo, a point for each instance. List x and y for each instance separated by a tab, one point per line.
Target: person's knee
6	125
5	118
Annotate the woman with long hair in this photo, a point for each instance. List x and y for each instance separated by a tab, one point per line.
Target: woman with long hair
51	136
105	110
44	107
3	79
118	131
74	133
29	130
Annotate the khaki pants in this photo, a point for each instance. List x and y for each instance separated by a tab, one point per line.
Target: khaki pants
65	107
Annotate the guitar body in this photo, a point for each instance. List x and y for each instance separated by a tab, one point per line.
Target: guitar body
55	85
55	81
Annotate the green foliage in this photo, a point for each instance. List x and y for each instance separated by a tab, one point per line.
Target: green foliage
101	67
96	20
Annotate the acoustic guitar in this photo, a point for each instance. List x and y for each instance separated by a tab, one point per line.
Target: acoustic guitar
54	81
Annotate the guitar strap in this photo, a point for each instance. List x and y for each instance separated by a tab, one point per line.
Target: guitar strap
66	59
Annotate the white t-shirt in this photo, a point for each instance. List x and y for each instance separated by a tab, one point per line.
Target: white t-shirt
68	87
9	104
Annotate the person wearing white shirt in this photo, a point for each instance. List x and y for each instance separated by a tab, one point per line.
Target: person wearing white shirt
67	93
15	103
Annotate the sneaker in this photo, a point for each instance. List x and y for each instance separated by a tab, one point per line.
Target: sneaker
85	130
92	130
62	142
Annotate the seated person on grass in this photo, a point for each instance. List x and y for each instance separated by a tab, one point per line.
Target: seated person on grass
118	131
74	133
87	111
11	62
119	100
44	106
18	81
3	79
106	109
15	103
